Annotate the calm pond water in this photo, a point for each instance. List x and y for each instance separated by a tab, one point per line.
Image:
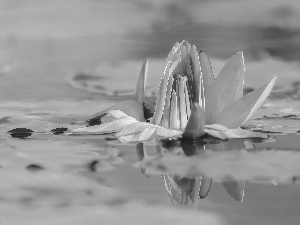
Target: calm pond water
63	61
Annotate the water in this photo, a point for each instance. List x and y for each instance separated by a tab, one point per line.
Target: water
54	74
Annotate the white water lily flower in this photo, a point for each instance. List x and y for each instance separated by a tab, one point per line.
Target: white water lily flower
191	101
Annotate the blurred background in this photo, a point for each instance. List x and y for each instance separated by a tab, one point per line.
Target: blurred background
61	61
71	48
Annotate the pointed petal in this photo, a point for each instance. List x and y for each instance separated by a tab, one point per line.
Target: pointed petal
134	128
174	50
174	117
187	46
145	135
197	76
187	99
162	94
131	108
137	127
216	134
182	104
165	122
113	115
226	88
167	133
183	56
109	127
217	127
241	133
235	189
140	87
205	186
239	112
206	69
195	126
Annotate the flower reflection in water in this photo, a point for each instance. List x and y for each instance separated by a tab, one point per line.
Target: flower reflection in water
188	169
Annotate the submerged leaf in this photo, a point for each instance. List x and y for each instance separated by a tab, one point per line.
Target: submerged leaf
206	69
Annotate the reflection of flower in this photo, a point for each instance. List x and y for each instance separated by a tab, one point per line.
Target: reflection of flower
184	190
190	102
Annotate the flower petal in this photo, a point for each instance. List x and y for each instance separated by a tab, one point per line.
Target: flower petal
197	76
174	50
216	134
239	112
226	88
140	87
135	128
187	46
217	127
206	69
131	108
112	115
167	133
165	122
145	135
159	108
109	127
195	126
241	133
138	127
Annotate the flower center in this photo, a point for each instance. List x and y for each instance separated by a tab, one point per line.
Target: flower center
177	108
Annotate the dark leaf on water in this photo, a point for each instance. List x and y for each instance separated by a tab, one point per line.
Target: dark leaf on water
110	139
170	143
34	167
93	122
60	130
20	132
20	135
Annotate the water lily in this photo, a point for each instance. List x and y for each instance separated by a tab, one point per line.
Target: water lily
191	101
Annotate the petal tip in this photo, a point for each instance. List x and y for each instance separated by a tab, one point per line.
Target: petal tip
195	126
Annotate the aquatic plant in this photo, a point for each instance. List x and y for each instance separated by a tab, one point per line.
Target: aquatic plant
191	101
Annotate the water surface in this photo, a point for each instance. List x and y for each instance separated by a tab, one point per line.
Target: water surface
58	77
